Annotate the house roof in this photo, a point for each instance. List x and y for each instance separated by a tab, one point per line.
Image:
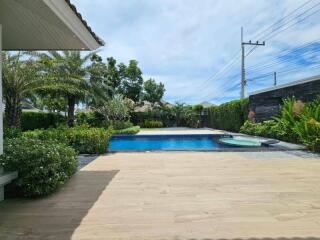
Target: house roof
45	25
293	83
98	39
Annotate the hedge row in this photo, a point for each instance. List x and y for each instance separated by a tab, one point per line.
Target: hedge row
127	131
81	138
38	120
229	116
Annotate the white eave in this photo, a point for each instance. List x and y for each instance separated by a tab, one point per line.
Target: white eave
45	25
305	80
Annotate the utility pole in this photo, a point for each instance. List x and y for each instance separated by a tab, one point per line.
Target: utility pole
243	69
275	79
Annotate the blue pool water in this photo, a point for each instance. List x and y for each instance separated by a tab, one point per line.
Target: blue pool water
165	142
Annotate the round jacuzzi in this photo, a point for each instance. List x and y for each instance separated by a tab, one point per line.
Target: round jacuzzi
240	141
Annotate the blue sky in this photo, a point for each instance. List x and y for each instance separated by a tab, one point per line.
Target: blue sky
188	44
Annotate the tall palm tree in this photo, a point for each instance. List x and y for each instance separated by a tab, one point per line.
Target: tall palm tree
20	81
69	73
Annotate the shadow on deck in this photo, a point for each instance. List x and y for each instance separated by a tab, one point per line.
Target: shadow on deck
56	216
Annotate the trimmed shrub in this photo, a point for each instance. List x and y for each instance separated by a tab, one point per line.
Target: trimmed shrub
151	124
43	166
89	140
118	125
270	129
39	120
229	116
131	130
81	138
93	119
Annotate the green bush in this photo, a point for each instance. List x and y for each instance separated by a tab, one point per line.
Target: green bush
151	124
58	135
11	132
163	114
270	129
82	138
179	115
192	120
43	166
118	125
39	120
229	116
308	126
93	119
297	123
89	140
131	130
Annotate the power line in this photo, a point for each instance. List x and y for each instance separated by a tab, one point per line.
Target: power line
279	61
286	51
281	20
299	21
314	66
271	34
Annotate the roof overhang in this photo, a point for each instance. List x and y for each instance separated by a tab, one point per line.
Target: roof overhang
44	25
289	84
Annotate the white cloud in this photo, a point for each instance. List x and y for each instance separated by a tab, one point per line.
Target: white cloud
184	42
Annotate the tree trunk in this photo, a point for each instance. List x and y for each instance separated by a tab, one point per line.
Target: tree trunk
71	106
13	112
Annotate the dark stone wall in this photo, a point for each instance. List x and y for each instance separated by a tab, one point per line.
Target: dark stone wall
267	104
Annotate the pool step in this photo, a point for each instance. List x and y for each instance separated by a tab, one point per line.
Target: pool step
5	178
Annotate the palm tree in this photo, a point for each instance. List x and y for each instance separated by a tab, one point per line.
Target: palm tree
20	81
179	111
69	72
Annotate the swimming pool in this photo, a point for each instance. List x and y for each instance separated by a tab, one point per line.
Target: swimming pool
194	142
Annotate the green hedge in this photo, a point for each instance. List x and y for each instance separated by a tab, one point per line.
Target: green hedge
140	117
120	125
82	138
39	120
228	116
131	130
151	124
43	166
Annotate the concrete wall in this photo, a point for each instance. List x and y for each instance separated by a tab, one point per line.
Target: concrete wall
266	103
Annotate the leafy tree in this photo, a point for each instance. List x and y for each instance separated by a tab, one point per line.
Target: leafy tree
20	81
100	87
179	112
50	101
112	74
115	110
153	92
68	70
132	81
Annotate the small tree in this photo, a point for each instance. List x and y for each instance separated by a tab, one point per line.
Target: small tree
153	92
131	80
115	110
20	81
68	70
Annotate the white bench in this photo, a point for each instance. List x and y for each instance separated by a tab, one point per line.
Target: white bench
5	178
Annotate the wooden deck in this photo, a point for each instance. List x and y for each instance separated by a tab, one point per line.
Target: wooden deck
177	196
